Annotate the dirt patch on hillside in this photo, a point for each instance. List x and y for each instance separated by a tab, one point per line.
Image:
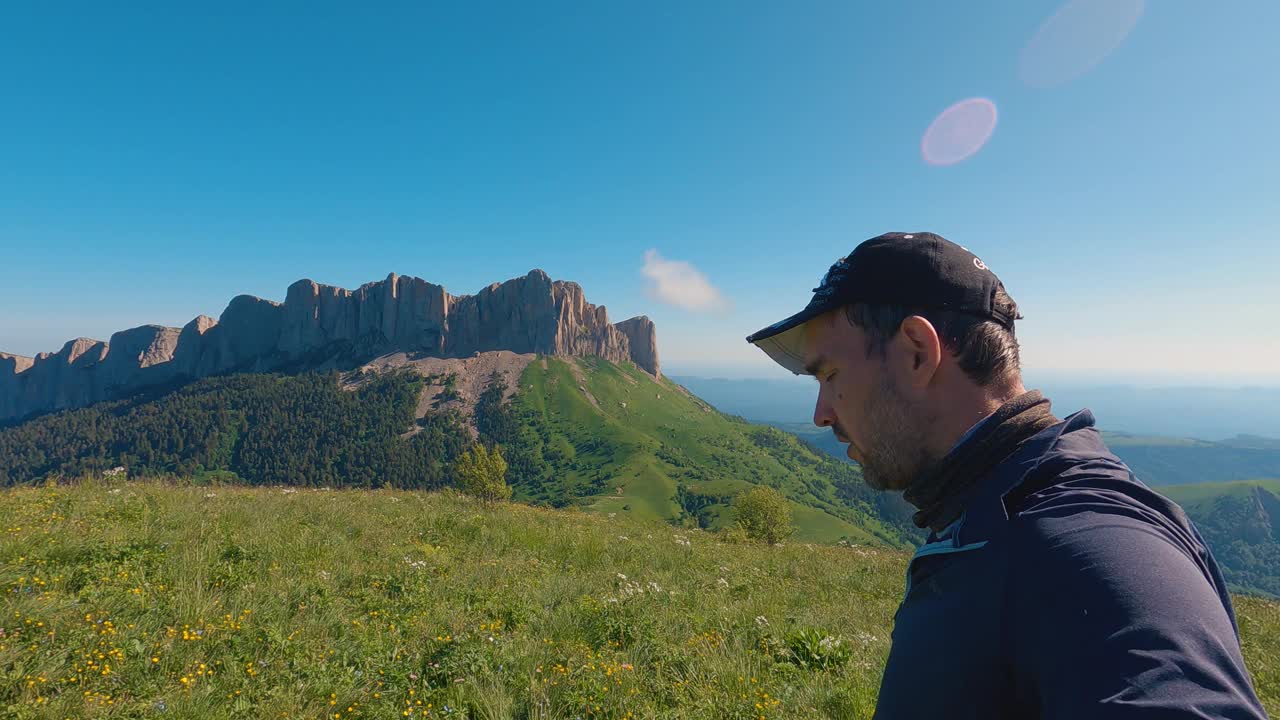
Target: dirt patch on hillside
455	383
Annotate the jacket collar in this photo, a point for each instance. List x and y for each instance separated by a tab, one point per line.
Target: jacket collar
986	513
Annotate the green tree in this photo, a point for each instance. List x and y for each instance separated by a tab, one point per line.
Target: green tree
482	472
764	514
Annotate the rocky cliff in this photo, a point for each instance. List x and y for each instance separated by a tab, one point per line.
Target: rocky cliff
321	326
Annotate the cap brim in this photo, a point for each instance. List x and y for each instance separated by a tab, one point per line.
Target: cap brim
783	341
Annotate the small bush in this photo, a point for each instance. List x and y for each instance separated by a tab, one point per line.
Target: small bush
483	473
764	514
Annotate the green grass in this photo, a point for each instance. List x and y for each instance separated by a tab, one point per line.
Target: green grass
271	603
239	602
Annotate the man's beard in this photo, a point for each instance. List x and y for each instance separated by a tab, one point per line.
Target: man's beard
895	455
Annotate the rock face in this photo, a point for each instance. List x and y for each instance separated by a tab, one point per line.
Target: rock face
319	326
642	338
10	367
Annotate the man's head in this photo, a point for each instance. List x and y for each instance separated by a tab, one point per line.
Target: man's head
901	377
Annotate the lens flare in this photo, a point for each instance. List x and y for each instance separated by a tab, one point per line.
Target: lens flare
959	131
1078	37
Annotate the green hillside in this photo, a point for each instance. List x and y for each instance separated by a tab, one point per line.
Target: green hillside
1241	523
578	432
145	599
620	441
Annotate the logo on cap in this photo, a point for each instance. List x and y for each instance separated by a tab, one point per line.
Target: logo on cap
833	277
979	264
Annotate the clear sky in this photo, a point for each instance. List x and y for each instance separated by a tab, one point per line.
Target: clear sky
701	163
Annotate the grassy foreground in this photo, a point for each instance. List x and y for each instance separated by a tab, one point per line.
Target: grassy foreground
147	600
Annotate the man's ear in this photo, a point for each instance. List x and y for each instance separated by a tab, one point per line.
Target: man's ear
921	350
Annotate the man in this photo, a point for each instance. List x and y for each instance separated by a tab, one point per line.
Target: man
1053	583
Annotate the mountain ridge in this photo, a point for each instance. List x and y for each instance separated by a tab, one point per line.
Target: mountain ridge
324	326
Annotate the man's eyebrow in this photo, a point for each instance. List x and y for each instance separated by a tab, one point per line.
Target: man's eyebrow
813	366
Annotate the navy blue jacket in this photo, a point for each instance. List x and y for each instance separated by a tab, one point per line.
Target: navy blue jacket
1067	589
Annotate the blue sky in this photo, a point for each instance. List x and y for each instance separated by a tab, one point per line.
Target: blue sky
156	161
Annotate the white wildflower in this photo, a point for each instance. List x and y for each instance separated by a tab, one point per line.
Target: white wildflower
622	577
623	538
653	587
762	621
722	582
211	495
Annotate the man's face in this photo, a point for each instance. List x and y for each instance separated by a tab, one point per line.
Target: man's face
861	402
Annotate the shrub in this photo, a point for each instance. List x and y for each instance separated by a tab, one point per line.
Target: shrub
764	514
482	472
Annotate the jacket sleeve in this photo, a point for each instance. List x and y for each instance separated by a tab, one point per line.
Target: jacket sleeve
1114	616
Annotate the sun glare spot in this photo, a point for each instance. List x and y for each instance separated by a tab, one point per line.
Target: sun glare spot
959	131
1075	39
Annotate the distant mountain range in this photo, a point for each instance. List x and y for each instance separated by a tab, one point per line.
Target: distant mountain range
1185	412
1242	451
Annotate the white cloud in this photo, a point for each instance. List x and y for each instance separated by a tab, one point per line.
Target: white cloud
679	283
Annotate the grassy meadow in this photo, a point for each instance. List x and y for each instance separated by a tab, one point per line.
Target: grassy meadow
134	600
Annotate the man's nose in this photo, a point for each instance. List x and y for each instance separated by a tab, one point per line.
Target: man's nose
822	415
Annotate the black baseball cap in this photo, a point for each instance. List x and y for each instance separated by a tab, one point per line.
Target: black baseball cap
917	270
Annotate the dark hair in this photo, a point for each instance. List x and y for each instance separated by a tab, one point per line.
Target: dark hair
985	350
